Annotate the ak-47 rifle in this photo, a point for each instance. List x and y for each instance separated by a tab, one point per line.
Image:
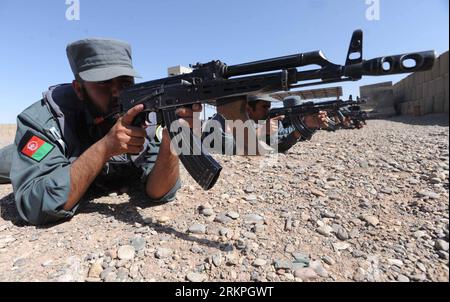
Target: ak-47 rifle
357	117
215	80
293	115
348	117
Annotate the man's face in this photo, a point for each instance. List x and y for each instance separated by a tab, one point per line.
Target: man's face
104	96
261	111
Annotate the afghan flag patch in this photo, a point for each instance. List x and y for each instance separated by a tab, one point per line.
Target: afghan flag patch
35	147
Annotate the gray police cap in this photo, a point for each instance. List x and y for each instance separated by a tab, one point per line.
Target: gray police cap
95	60
260	97
291	101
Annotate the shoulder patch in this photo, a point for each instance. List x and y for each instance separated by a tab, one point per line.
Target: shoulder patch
34	147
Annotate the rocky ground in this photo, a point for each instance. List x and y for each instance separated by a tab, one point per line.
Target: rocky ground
368	205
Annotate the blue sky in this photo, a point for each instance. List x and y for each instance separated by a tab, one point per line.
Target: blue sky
168	33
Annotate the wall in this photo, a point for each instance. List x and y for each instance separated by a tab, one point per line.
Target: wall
418	94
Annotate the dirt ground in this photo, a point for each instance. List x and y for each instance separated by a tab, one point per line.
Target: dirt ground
361	205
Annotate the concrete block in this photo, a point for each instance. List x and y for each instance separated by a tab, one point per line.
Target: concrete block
419	78
413	93
406	108
428	76
399	91
426	90
443	63
402	107
419	91
427	107
416	109
438	104
438	86
435	72
411	79
446	93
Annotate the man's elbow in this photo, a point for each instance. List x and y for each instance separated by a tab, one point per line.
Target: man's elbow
163	196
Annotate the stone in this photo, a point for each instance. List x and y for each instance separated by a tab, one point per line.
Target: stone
318	268
207	212
224	232
364	164
371	220
327	214
428	194
435	180
222	218
240	244
95	270
138	243
282	264
126	252
249	235
249	189
359	275
402	278
251	198
197	229
301	258
421	266
162	219
395	262
195	277
258	228
441	245
419	234
288	224
305	273
339	246
217	259
90	279
163	253
328	260
317	193
194	249
231	259
418	277
112	253
324	230
233	215
289	248
443	255
47	263
108	274
259	262
342	234
253	219
122	274
20	262
387	190
354	233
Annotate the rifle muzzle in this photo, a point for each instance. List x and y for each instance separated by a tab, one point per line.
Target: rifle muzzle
405	63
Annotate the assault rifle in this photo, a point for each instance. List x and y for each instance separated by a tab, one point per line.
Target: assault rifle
293	116
215	80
